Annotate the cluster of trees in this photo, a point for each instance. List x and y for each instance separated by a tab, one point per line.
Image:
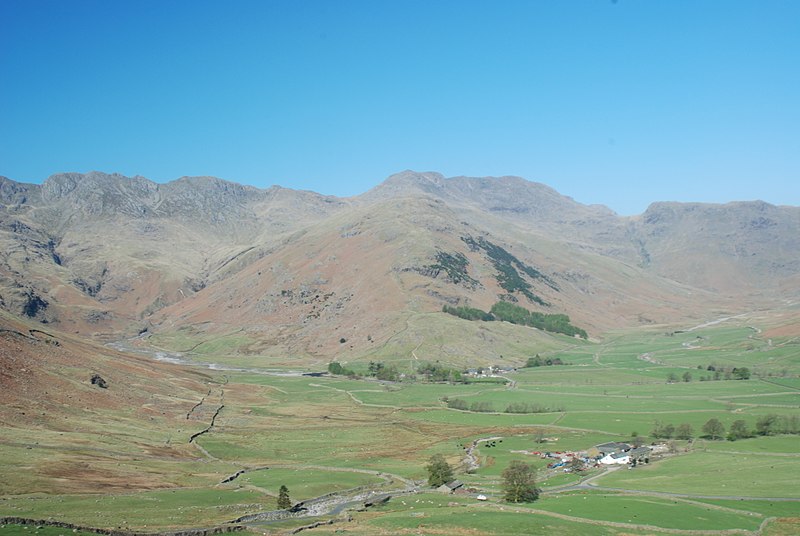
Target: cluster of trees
455	266
770	424
438	373
725	373
721	372
555	323
529	407
734	373
468	313
508	312
519	482
383	372
457	403
537	361
486	407
336	368
673	378
506	265
509	279
432	372
669	431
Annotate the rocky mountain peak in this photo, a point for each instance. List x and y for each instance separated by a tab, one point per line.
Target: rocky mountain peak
17	193
408	183
63	185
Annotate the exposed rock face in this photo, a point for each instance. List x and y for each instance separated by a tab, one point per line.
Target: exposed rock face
106	253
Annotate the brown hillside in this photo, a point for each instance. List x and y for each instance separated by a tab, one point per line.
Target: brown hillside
286	273
79	436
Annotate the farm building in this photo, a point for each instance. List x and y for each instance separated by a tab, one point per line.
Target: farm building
616	458
637	455
450	487
640	454
609	448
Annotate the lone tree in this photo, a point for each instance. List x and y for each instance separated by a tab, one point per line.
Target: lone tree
684	431
284	501
439	471
713	429
738	431
662	431
767	424
519	484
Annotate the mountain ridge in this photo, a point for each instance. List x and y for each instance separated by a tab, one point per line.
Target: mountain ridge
107	255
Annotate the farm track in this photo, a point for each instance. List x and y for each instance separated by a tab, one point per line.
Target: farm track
715	322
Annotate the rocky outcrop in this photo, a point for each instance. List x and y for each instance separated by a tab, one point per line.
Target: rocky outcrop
97	380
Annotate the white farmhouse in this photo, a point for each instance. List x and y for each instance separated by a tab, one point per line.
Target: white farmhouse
616	458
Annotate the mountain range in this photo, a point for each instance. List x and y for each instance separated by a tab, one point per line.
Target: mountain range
286	276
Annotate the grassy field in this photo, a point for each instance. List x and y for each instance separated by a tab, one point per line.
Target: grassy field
185	507
714	473
133	467
644	510
435	515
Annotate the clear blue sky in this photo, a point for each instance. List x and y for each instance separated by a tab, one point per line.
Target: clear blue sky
620	103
